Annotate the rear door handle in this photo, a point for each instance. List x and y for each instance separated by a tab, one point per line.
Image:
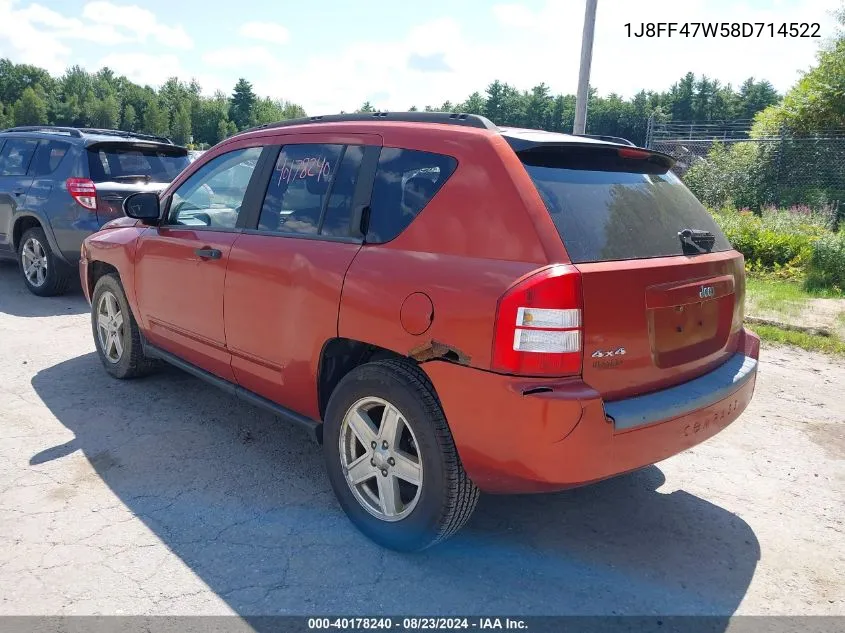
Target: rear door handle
209	253
19	192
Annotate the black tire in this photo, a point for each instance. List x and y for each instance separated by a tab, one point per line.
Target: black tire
131	363
58	274
447	497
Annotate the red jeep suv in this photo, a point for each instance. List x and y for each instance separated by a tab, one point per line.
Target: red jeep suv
448	305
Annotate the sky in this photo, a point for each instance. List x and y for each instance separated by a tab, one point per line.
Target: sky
332	55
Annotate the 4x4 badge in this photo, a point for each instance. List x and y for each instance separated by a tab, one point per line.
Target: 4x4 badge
613	352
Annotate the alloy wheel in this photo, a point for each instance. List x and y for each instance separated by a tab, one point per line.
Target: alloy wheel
34	259
110	325
380	459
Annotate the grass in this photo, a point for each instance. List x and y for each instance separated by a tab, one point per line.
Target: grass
811	342
781	298
789	302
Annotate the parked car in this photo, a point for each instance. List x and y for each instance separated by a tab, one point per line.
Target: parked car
448	305
59	184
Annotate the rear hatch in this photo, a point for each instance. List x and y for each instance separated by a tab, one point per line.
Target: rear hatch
663	289
122	168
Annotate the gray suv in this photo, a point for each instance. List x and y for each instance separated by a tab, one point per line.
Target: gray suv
59	184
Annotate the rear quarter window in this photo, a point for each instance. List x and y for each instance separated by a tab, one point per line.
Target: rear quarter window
48	157
405	182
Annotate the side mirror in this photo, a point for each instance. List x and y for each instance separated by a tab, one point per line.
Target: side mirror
144	206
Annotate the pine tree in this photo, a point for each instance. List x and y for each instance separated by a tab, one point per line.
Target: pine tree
242	105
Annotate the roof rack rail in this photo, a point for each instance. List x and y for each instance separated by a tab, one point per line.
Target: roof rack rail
46	129
77	132
123	133
447	118
609	139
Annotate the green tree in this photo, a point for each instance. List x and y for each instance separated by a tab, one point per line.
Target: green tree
155	119
30	109
130	119
181	128
106	113
366	107
494	104
5	119
242	105
211	123
473	105
222	131
817	101
681	96
538	107
15	78
67	111
755	96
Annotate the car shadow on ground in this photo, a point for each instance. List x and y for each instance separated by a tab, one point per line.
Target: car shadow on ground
16	300
243	500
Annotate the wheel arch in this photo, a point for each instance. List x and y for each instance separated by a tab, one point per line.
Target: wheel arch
96	270
338	357
25	221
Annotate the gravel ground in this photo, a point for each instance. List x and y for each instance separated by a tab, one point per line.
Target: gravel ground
165	496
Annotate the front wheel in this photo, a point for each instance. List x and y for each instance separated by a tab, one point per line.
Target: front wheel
116	333
391	458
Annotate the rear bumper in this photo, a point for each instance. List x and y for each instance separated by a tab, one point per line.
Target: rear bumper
524	435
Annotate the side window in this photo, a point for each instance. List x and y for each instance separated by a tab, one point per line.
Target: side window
213	195
406	180
16	156
47	157
338	213
310	190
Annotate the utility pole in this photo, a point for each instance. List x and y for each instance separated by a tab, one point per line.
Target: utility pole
584	75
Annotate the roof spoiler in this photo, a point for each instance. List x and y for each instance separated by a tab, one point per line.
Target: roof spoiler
610	139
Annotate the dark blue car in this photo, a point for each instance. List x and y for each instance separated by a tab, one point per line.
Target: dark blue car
58	185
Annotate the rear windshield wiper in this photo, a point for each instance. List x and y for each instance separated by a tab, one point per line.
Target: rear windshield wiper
144	177
695	242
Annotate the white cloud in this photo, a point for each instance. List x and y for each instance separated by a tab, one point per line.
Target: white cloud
136	23
143	68
265	31
240	57
543	45
23	41
625	64
532	45
38	35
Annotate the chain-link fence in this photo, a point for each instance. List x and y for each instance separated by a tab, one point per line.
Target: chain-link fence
722	164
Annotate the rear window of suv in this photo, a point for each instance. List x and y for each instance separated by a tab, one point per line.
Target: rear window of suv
125	161
608	208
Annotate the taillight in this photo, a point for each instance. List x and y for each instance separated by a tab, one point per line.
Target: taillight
538	325
83	191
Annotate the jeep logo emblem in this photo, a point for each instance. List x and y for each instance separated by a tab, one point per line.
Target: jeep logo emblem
707	292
